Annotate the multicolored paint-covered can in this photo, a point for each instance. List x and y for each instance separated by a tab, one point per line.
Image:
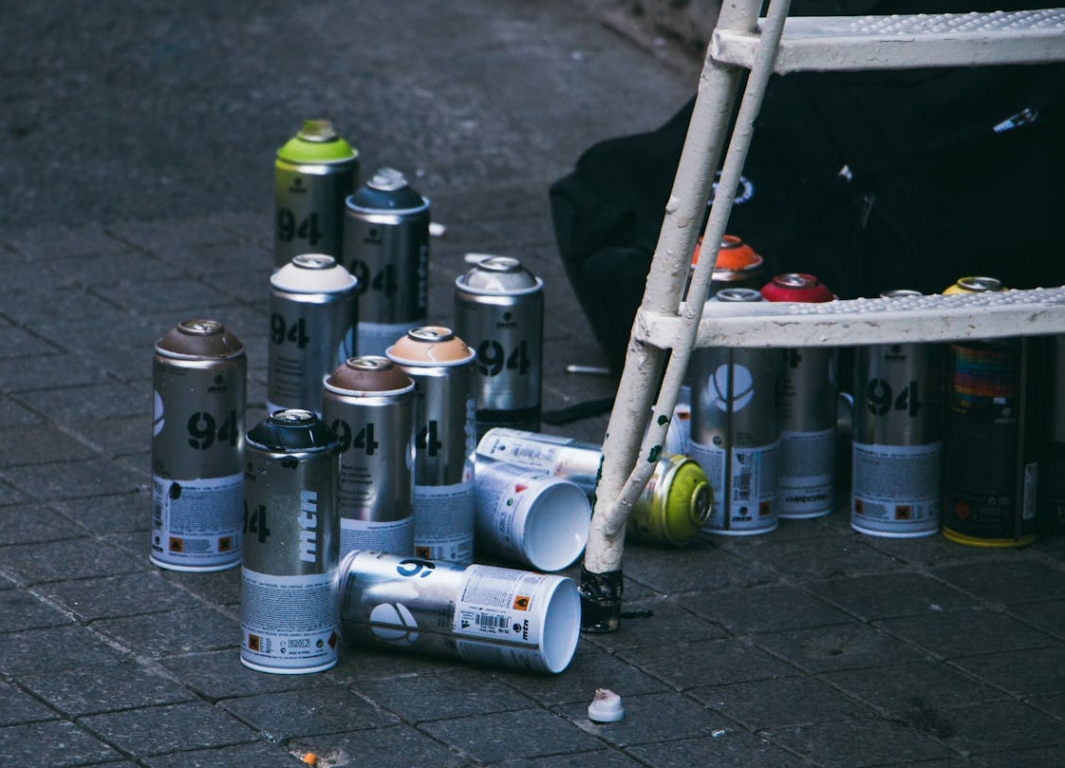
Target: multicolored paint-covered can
735	430
897	437
291	546
313	316
386	246
499	311
441	365
314	173
479	614
369	402
200	382
809	411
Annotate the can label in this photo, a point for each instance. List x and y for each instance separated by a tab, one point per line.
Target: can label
395	536
444	522
744	501
289	622
896	489
187	528
554	455
807	475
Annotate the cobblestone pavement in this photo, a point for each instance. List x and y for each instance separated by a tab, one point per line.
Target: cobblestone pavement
138	155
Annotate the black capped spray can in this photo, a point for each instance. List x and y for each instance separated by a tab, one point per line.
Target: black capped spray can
314	173
291	545
313	320
479	614
897	447
386	246
735	430
441	365
499	312
990	449
200	381
369	402
808	411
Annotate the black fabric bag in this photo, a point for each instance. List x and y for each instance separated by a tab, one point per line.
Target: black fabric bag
869	180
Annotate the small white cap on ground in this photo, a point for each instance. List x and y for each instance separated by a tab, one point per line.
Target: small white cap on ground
605	707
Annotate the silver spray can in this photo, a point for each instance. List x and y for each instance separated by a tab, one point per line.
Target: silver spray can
314	173
199	378
441	366
386	246
896	489
480	614
499	311
291	545
369	403
735	430
313	319
564	457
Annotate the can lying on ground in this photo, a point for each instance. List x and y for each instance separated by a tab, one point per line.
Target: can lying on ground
480	614
200	378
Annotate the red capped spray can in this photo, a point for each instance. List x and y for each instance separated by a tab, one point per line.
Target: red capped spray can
441	366
369	402
809	404
314	173
386	246
199	378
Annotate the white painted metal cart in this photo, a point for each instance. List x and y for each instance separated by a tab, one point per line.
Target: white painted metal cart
746	47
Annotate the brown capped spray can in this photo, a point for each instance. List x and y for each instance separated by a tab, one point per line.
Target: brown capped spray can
369	402
441	365
499	311
199	378
990	456
291	545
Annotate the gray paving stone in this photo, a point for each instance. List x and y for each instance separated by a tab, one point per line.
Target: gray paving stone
32	373
1040	757
925	550
699	567
1023	672
17	707
18	343
70	302
686	665
1053	705
99	403
1046	615
731	749
75	558
653	717
258	754
400	746
858	743
656	621
168	728
13	414
221	588
952	634
55	648
73	479
30	523
21	610
996	726
600	759
79	691
111	514
901	687
780	701
116	596
19	446
281	716
458	692
9	496
849	646
766	609
821	557
52	744
495	737
42	244
174	633
219	674
895	595
1008	582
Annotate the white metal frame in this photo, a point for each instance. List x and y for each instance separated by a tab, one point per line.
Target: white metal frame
666	328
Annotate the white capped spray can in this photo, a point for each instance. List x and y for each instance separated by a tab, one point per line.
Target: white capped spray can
441	365
313	320
896	488
479	614
199	380
369	403
735	430
386	246
291	532
499	311
314	173
529	516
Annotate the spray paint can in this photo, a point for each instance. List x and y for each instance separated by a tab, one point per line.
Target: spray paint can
441	366
499	311
529	516
313	319
314	173
808	411
386	246
735	427
200	381
369	403
989	459
737	265
479	614
671	509
898	432
289	616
